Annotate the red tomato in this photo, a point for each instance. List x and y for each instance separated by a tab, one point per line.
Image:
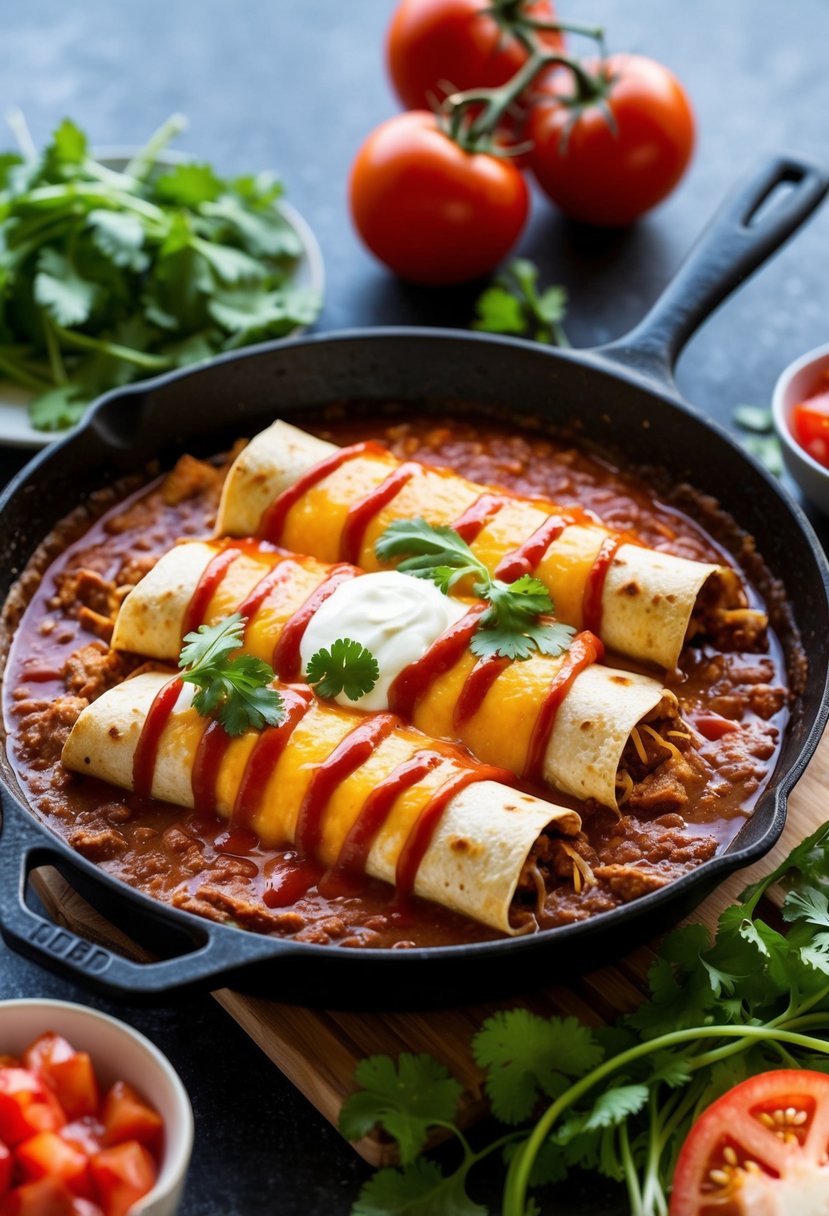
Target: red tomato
122	1175
48	1155
6	1168
604	176
432	212
753	1150
810	426
27	1106
437	47
126	1116
46	1197
66	1071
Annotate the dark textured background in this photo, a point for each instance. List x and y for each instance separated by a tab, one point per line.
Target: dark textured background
295	85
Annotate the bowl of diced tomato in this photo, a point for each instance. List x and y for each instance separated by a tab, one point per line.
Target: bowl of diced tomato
800	408
94	1120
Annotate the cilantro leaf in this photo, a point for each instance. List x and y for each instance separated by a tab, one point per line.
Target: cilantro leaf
420	1189
57	408
615	1105
346	666
405	1099
120	236
66	295
512	626
809	905
233	688
515	306
188	184
523	1053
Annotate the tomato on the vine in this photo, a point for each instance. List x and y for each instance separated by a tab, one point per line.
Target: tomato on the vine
432	211
608	159
761	1147
436	47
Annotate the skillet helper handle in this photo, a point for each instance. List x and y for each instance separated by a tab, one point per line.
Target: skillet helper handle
215	948
739	238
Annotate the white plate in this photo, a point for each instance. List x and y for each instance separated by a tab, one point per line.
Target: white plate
15	428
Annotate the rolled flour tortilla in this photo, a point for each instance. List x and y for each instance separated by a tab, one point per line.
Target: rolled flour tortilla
590	730
472	863
648	597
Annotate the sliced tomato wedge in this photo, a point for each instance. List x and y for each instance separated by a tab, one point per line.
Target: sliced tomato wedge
759	1150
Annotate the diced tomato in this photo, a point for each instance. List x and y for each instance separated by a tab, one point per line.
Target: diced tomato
810	425
27	1106
48	1155
126	1116
712	726
46	1197
86	1134
122	1175
68	1072
6	1168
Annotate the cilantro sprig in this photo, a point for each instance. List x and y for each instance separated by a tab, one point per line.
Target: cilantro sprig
111	276
234	688
620	1100
345	666
513	625
514	305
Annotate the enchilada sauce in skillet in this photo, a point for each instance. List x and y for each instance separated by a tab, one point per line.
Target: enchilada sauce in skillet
60	661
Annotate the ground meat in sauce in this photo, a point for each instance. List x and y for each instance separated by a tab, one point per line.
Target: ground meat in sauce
663	832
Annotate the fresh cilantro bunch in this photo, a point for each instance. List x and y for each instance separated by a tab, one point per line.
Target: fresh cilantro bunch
234	688
108	277
513	625
344	667
514	305
618	1100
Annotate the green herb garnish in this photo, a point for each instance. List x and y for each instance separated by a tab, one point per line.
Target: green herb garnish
758	437
620	1100
515	306
234	688
110	276
513	625
346	667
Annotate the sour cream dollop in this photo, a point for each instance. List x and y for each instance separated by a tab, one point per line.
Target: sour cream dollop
393	615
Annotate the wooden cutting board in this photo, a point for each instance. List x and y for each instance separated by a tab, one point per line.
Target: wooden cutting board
319	1050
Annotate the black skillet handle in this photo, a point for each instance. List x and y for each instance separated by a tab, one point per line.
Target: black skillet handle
214	949
738	239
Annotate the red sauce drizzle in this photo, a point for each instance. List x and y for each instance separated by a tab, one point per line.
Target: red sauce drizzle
273	520
347	756
363	511
525	559
211	577
146	751
476	516
209	755
584	650
377	807
412	682
594	586
277	576
476	686
424	828
266	752
286	652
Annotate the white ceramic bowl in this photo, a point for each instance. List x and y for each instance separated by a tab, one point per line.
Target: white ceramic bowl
798	381
118	1053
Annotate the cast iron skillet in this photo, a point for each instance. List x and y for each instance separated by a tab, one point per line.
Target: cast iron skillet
623	393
